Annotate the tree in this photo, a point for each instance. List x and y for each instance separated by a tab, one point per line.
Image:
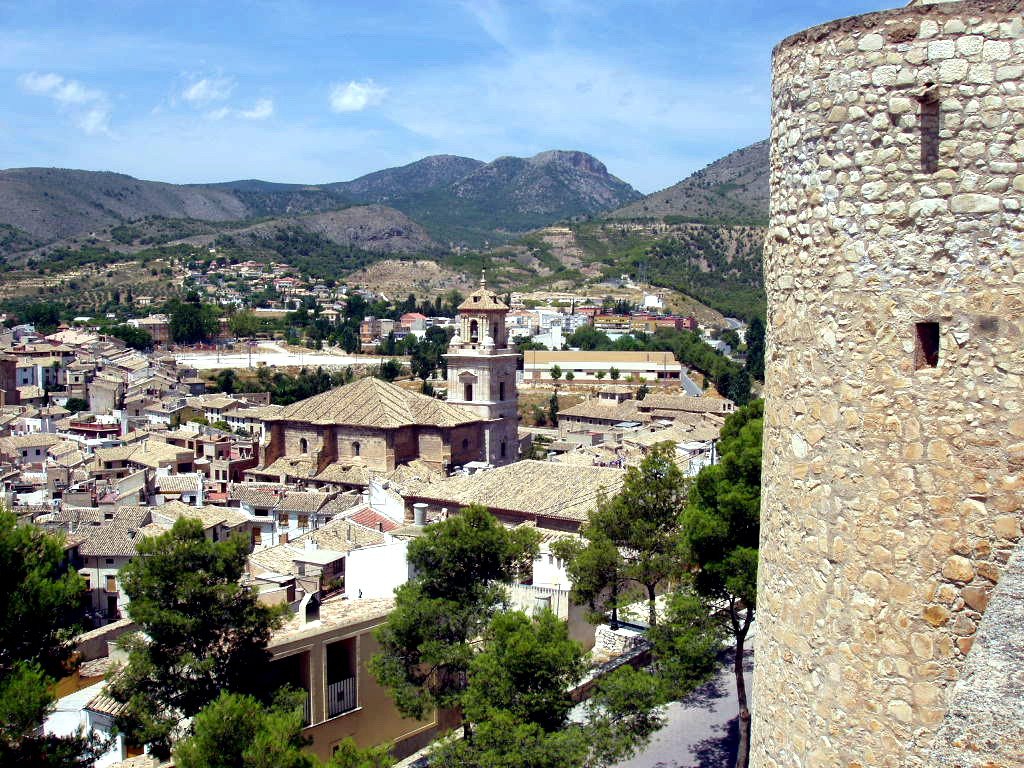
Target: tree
553	409
39	607
389	370
460	566
76	404
601	374
642	522
192	322
238	731
201	633
587	337
686	644
730	337
755	349
244	325
227	381
643	391
556	372
614	374
136	338
527	670
721	526
518	705
569	376
595	571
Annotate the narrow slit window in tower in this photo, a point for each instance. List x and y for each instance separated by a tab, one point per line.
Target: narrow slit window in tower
501	390
926	346
467	392
474	332
930	126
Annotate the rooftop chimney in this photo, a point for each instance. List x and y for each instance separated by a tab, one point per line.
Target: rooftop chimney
419	514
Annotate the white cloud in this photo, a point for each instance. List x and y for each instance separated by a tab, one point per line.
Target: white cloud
492	17
208	89
90	108
356	96
261	110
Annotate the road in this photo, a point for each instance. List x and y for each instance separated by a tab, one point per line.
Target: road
702	730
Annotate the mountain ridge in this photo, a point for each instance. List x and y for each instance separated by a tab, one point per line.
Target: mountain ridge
730	190
457	199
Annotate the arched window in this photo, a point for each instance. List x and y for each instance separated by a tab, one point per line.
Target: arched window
494	333
356	448
303	445
474	331
465	443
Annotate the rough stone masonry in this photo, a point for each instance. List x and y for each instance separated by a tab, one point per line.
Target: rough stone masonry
894	433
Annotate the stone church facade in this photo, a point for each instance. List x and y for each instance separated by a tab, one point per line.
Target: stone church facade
376	426
482	373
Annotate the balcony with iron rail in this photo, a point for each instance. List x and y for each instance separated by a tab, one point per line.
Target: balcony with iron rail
341	697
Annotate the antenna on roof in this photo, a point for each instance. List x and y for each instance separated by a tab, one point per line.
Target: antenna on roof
483	277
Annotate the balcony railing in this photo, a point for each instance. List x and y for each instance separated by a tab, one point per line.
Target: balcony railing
341	697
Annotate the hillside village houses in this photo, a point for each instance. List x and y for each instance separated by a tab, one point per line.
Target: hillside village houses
328	491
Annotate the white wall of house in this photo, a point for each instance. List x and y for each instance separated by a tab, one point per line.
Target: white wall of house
376	571
549	571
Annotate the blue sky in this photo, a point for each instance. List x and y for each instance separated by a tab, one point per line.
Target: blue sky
326	91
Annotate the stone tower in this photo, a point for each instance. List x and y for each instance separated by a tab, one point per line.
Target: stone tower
894	432
482	372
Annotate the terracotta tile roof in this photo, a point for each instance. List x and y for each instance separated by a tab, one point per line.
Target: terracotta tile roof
105	705
371	402
338	536
34	440
179	483
112	538
289	466
483	298
685	404
343	535
417	471
260	495
259	413
605	410
345	474
208	515
341	503
133	515
335	613
148	453
303	501
541	488
371	518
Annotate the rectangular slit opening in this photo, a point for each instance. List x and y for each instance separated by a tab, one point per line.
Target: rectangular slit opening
930	127
926	347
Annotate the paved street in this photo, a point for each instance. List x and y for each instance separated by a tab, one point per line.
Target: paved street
702	730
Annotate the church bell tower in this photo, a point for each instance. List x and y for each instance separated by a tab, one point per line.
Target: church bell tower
482	372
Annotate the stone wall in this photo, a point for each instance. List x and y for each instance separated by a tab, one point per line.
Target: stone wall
892	489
